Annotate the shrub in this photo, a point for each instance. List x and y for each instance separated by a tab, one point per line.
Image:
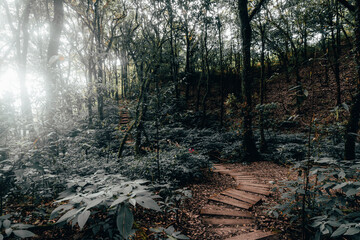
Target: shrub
329	201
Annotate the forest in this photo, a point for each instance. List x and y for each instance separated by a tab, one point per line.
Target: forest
180	119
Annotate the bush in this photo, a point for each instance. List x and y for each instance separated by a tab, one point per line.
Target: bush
329	201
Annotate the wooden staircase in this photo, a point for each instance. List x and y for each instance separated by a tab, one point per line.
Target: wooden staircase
232	212
124	118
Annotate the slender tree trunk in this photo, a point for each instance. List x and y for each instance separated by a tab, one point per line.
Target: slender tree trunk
117	98
89	93
173	49
187	63
262	89
336	53
207	72
56	27
326	62
100	75
222	91
124	74
269	68
286	62
201	78
305	38
299	88
22	53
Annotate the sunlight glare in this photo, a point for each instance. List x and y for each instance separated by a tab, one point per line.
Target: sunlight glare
9	82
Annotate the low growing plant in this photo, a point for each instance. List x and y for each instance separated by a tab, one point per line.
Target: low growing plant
330	202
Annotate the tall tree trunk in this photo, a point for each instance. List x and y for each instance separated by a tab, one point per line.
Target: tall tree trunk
353	124
305	39
222	93
124	74
326	61
250	152
335	37
117	98
89	92
262	88
286	62
173	49
22	63
99	87
188	74
56	27
207	73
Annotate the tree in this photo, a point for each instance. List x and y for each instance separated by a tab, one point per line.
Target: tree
353	123
56	27
262	30
21	39
249	147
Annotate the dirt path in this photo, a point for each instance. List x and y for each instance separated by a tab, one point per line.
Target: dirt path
233	205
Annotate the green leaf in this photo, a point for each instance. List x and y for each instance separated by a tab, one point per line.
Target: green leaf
170	230
342	174
21	226
1	237
23	233
341	185
181	236
82	218
340	231
119	200
60	208
8	231
67	215
351	191
132	201
306	93
316	224
124	221
352	231
6	224
148	202
7	216
93	203
334	223
128	190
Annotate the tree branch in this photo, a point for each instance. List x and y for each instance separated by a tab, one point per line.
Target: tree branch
347	5
256	9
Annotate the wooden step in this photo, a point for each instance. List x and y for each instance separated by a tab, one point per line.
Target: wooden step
231	201
257	235
242	179
253	190
219	166
254	197
225	230
225	212
241	174
227	221
242	196
258	185
217	169
230	230
222	171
